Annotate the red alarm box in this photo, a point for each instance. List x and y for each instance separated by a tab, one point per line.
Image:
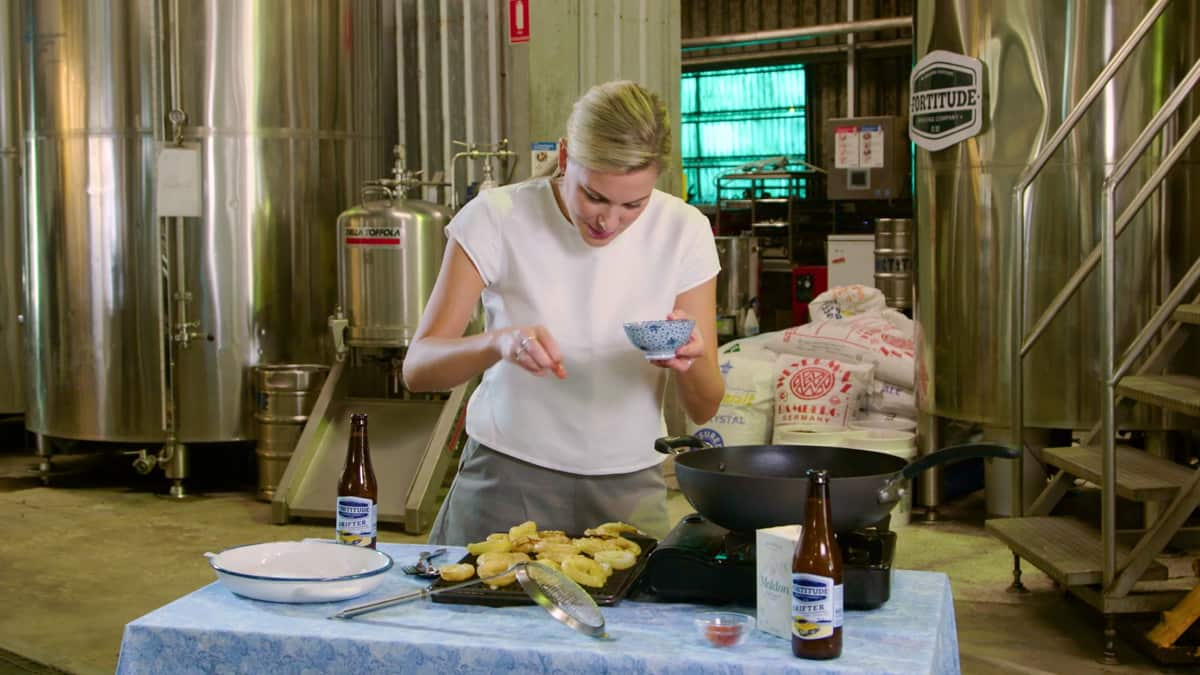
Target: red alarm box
808	281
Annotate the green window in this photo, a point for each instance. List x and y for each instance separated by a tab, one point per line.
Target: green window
732	117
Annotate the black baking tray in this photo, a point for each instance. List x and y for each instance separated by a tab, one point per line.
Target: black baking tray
511	595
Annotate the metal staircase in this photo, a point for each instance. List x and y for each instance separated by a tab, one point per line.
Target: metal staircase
1115	571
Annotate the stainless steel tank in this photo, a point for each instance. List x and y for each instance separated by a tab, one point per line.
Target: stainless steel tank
389	253
12	362
284	103
737	284
92	330
1038	59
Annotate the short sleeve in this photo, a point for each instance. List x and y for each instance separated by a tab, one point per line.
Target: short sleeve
475	230
699	248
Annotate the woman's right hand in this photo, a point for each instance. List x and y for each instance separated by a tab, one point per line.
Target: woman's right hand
532	348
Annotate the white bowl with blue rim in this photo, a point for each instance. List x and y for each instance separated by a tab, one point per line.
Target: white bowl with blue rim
300	571
659	339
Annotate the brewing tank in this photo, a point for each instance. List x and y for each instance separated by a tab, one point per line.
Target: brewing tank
284	103
12	395
1038	59
389	253
92	330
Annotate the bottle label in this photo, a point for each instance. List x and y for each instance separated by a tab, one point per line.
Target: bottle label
816	606
355	521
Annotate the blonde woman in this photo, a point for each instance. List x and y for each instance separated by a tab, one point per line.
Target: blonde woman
562	425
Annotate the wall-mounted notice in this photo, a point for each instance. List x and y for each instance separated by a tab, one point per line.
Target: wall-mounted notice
858	147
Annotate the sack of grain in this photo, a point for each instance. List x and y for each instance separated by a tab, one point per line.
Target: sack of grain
868	338
746	411
817	394
841	302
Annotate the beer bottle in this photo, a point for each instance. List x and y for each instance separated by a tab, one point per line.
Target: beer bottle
817	578
358	493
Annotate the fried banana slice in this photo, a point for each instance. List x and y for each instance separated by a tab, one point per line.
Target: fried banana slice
457	572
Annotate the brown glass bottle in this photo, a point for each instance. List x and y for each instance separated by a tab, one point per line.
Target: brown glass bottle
817	578
357	493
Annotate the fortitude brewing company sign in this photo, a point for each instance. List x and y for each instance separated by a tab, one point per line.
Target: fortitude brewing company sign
945	105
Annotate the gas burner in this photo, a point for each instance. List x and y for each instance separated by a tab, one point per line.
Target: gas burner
699	561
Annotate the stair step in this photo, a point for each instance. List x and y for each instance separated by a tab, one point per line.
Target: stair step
1140	477
1180	393
1067	550
1187	314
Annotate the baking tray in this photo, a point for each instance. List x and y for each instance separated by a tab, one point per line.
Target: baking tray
508	596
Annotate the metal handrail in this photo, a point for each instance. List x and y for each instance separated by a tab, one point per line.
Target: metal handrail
1110	371
1164	115
1016	374
1179	293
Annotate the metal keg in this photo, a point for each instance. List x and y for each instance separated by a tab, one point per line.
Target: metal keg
284	396
893	261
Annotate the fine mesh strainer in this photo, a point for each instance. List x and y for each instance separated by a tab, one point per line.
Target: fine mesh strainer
557	593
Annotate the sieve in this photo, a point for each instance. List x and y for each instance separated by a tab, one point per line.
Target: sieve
554	591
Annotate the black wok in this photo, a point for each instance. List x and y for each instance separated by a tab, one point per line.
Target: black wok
748	487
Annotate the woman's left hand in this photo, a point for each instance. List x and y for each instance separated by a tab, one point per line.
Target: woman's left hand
689	352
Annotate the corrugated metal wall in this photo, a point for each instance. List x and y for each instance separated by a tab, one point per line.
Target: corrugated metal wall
451	63
884	58
461	79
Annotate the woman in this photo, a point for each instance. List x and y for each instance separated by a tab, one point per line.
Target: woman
562	425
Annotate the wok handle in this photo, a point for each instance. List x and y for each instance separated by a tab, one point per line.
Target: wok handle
677	445
891	490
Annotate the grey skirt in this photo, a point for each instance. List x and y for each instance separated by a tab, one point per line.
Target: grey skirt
492	492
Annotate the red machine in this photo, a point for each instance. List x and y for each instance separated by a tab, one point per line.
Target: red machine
808	281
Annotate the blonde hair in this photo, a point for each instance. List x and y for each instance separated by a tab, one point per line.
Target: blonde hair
618	127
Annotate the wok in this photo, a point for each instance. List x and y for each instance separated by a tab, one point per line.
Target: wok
748	487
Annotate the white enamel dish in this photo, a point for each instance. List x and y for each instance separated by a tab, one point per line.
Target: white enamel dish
300	571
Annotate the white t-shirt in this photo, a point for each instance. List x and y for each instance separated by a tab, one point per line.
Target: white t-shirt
537	269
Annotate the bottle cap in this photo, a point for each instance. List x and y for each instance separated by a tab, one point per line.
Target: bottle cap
358	418
818	475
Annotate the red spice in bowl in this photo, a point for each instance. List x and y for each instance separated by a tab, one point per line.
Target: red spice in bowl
724	629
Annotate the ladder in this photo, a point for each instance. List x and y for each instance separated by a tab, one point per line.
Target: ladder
1114	571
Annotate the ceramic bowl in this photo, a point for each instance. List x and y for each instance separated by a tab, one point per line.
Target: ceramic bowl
300	571
659	339
724	629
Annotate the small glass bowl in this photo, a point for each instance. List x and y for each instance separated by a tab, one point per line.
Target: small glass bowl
724	629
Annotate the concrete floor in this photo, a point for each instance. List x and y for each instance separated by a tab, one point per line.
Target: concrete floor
100	547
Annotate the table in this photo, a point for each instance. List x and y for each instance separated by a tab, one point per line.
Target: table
212	630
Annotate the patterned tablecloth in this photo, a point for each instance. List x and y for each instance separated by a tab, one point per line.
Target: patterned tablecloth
212	630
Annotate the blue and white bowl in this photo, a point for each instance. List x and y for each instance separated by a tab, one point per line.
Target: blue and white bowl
300	571
659	339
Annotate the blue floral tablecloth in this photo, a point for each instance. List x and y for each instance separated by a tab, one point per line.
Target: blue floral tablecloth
212	630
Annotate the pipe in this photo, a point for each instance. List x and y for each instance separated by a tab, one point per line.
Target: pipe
469	84
1108	404
444	68
494	102
793	34
862	48
401	120
851	61
423	95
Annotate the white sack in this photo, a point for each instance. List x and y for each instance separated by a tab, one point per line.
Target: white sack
815	394
841	302
888	398
868	338
745	414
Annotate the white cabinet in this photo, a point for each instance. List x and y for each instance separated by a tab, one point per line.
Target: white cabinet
851	259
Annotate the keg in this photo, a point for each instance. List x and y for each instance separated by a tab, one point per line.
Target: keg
284	396
893	261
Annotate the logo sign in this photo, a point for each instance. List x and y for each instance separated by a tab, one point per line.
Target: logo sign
945	105
374	235
812	383
518	21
